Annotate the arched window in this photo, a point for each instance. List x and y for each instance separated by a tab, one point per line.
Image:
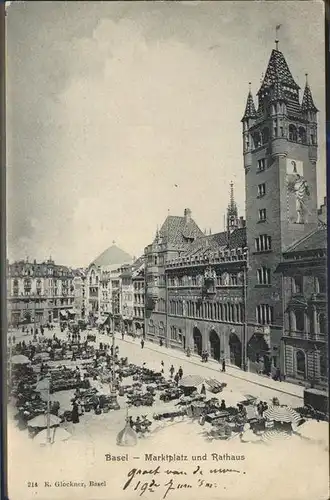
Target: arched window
323	364
302	137
151	326
313	138
292	133
265	135
161	329
322	323
300	321
301	363
256	139
238	313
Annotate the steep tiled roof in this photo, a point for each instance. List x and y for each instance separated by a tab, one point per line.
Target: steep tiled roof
317	240
178	231
217	241
277	70
237	238
277	93
307	103
250	110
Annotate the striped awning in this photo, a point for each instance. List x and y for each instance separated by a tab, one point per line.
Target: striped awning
283	414
273	435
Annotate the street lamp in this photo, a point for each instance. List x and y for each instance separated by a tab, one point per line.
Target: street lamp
113	392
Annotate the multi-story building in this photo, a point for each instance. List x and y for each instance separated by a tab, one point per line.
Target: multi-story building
174	238
280	155
39	292
305	335
139	296
127	299
197	300
223	293
93	293
103	284
79	285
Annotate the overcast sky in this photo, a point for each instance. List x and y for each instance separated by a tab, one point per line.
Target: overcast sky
121	111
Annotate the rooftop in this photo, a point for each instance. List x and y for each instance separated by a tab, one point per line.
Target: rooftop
112	256
180	231
317	240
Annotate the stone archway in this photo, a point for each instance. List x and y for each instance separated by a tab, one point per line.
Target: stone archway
198	341
258	352
214	345
235	347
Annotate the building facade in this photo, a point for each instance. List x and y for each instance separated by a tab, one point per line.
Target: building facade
174	238
198	298
223	293
138	296
305	336
127	299
280	155
79	286
39	292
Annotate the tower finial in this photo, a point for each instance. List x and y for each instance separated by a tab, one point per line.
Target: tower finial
249	86
306	75
276	39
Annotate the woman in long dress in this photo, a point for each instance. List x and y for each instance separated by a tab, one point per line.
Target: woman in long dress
75	413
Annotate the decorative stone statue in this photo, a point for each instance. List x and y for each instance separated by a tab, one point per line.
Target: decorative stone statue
301	190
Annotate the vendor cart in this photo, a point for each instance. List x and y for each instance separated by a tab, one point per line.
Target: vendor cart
215	386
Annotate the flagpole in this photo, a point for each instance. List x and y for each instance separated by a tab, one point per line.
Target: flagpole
276	39
48	440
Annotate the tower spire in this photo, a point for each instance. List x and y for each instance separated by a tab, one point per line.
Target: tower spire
232	212
307	103
250	110
232	203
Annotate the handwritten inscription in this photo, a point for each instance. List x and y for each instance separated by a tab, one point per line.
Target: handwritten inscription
152	480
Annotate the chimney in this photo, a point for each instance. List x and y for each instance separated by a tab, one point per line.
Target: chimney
187	214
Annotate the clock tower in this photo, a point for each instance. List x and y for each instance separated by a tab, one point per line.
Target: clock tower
280	155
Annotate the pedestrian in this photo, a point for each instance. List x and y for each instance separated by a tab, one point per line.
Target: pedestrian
171	371
75	413
176	378
223	365
122	335
142	343
223	405
14	339
161	342
203	390
278	375
180	372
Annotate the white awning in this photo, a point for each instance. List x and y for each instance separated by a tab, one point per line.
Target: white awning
63	313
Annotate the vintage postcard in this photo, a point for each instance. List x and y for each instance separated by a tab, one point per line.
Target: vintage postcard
167	326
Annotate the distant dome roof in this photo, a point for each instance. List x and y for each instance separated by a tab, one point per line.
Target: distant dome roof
112	255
